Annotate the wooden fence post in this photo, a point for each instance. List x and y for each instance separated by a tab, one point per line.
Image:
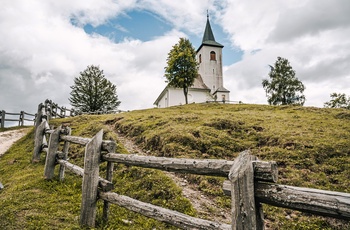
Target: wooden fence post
39	116
90	181
3	118
48	109
246	214
109	177
50	162
68	131
38	141
21	118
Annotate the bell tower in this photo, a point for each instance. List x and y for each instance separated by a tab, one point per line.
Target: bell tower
209	57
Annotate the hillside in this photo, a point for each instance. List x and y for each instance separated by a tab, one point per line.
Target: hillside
310	145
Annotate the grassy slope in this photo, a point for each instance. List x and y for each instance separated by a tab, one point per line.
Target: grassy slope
311	147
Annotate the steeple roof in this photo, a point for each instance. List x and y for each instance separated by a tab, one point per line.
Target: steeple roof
208	37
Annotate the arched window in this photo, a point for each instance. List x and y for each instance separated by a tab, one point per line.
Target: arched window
212	56
200	58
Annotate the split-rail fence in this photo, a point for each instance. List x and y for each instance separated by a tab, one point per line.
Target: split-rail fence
250	182
22	117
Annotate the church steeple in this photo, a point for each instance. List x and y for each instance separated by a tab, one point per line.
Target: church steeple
208	33
208	37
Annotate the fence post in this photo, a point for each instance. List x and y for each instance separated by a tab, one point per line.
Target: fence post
48	109
109	177
39	116
68	131
38	141
21	119
90	181
50	162
246	214
3	118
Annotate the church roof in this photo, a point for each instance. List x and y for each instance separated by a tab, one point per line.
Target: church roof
208	37
199	83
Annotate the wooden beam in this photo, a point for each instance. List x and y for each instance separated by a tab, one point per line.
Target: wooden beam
315	201
244	208
106	145
90	181
65	153
50	162
262	170
265	171
162	214
38	141
75	139
109	177
104	184
195	166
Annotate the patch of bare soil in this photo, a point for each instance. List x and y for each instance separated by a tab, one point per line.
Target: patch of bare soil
7	138
204	205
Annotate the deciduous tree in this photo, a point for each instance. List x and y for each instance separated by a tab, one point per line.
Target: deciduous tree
339	100
182	67
283	88
93	92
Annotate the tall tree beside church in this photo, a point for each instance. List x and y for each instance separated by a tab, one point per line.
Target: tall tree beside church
182	67
93	92
283	88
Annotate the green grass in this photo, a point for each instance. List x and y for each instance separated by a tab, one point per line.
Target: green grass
310	145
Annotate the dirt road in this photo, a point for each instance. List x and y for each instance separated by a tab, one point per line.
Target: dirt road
7	138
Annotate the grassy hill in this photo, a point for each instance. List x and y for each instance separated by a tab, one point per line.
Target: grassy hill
310	145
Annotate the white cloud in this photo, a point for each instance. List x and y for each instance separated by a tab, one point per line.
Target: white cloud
312	35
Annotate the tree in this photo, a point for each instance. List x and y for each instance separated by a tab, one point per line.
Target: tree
182	67
93	92
284	88
339	100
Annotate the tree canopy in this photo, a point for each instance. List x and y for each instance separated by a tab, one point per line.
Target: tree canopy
93	92
283	88
182	67
339	100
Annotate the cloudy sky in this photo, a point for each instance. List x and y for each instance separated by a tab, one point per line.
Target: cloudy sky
44	44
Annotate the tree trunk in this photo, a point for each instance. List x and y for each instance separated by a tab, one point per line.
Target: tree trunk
186	93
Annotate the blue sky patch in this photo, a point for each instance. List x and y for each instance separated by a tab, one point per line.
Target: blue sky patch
145	26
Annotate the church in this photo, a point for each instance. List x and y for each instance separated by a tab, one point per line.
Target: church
209	85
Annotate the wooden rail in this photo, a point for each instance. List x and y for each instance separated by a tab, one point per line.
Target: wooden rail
251	182
22	116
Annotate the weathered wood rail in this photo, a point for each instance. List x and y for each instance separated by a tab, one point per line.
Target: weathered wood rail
22	117
251	182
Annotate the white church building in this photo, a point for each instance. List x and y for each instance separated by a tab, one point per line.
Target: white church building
209	84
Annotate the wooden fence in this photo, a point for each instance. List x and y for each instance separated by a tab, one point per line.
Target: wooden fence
22	116
53	110
251	182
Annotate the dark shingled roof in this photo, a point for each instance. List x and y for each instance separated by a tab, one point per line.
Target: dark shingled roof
208	37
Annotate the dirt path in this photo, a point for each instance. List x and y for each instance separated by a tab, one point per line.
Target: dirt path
7	138
204	205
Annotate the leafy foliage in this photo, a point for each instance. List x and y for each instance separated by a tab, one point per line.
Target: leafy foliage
284	88
93	92
182	67
339	100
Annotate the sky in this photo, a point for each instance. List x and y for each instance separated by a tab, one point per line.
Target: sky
45	44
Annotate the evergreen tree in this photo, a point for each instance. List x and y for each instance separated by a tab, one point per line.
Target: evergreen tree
339	100
283	88
93	92
182	67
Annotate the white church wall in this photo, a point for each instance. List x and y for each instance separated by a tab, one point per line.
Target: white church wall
175	96
211	70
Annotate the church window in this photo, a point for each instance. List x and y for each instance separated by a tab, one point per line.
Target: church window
200	58
212	56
